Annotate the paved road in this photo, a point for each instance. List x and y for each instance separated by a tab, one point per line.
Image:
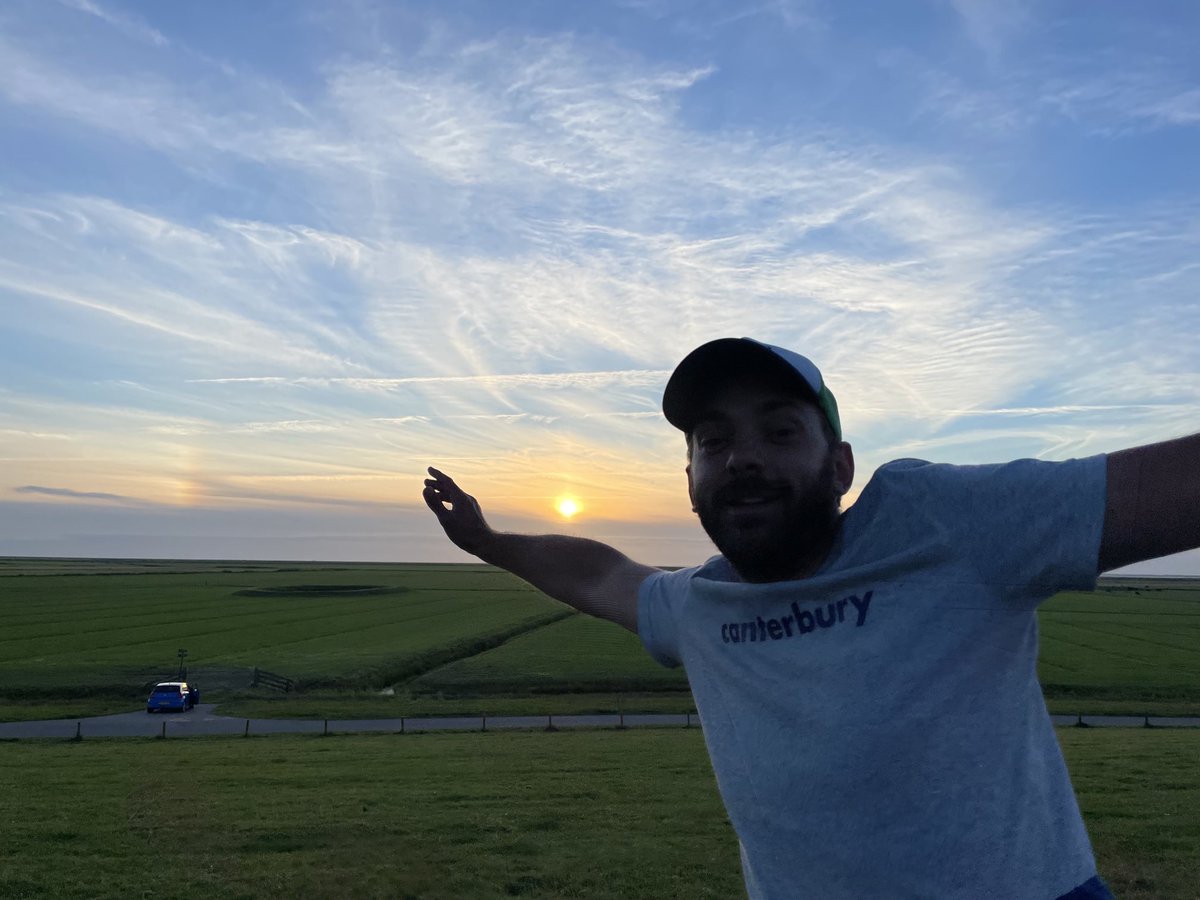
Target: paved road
202	720
1129	721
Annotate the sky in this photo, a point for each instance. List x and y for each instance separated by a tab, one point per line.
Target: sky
262	263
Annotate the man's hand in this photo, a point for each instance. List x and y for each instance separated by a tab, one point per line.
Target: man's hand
457	511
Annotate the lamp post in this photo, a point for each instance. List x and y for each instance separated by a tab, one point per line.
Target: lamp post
182	667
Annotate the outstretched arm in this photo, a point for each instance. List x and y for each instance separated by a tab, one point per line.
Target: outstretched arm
1153	506
590	576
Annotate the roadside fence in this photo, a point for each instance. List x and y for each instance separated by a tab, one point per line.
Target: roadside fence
263	678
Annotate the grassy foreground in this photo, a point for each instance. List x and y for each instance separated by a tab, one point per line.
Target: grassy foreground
436	817
460	816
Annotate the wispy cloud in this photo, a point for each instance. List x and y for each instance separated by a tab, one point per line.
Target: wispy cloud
1132	99
127	24
560	379
72	494
991	26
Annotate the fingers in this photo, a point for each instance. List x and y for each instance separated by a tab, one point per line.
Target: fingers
434	502
442	482
440	490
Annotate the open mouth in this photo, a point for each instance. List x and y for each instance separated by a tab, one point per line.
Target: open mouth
748	497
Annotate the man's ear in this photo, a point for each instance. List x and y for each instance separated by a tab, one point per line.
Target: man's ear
843	468
691	492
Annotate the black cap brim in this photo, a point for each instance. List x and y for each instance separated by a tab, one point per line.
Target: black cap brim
705	369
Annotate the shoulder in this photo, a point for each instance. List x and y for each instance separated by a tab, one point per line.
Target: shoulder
672	588
896	480
908	474
915	488
673	581
660	599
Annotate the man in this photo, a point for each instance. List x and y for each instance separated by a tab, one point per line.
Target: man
866	680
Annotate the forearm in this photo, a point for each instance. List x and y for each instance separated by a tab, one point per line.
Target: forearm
588	575
1153	502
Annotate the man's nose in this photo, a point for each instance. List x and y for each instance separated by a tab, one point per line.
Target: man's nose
744	456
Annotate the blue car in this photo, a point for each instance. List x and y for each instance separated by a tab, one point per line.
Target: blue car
171	695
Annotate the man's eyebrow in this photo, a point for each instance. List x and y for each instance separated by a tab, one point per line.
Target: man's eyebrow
788	403
709	417
715	417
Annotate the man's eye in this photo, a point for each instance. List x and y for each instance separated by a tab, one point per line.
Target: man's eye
710	444
783	433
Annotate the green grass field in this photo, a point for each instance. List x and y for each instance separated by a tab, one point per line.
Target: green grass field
321	626
86	637
576	654
451	816
1123	644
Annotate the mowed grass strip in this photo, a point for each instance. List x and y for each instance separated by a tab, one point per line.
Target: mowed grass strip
577	654
1139	791
1131	651
65	631
348	705
1123	645
436	817
455	816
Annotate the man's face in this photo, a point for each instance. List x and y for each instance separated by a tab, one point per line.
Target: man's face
765	481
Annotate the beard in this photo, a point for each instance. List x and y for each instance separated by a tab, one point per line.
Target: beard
773	545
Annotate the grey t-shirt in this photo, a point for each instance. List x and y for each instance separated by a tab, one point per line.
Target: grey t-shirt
877	730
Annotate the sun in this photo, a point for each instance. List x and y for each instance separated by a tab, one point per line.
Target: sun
567	506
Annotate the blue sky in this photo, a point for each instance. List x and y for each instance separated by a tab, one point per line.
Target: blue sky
261	263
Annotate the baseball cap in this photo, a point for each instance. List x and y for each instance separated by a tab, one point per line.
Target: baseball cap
706	367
